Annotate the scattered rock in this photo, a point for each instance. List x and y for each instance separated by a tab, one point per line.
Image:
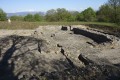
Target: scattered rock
20	57
53	35
58	45
64	28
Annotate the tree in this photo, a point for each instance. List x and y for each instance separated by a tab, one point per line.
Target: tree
110	12
104	14
115	5
74	15
29	17
63	15
51	15
17	18
89	14
71	18
59	14
80	17
3	16
37	17
118	16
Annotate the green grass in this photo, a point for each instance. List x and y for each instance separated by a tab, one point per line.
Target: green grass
33	25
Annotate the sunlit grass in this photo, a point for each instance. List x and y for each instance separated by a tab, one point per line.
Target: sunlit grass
18	25
33	25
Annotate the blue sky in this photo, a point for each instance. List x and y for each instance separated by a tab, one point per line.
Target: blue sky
44	5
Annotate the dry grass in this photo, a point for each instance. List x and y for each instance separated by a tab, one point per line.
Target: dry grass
33	25
18	25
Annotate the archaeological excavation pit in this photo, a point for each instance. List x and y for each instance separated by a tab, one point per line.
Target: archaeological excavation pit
59	53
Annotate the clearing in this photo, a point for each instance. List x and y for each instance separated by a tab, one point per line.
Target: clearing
74	52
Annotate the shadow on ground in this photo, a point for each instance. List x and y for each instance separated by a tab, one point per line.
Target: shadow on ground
12	44
33	67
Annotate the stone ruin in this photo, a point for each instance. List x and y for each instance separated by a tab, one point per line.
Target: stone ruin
60	53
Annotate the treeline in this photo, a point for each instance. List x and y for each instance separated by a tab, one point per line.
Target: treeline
109	12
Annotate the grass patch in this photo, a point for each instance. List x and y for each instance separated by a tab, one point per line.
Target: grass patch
33	25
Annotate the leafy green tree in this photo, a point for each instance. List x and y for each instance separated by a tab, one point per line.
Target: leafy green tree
110	12
118	16
71	18
63	15
51	15
59	14
115	5
104	14
29	18
89	14
80	17
17	18
3	16
74	15
37	17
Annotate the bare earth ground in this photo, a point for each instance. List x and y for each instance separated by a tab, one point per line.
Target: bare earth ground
36	54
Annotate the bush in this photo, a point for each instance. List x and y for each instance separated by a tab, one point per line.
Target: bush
89	14
37	17
3	16
17	18
29	18
104	14
80	17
